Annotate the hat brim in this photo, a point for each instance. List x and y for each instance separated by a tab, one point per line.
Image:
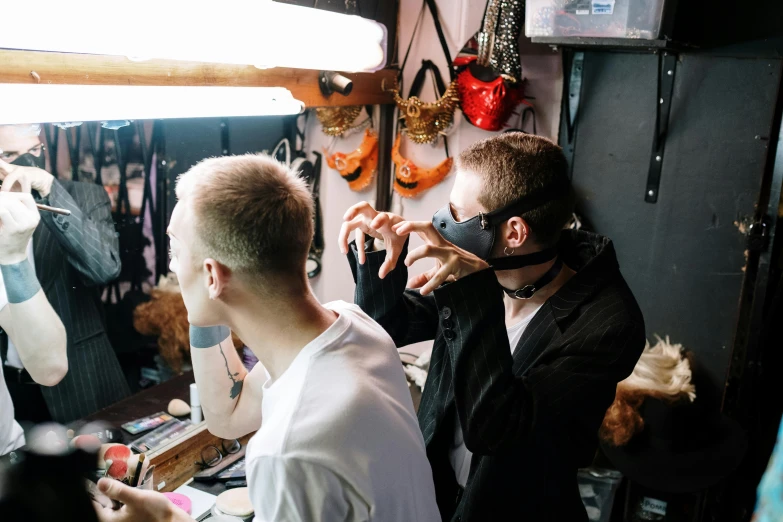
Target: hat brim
681	472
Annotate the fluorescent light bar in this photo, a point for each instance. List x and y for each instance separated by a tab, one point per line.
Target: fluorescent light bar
258	32
42	103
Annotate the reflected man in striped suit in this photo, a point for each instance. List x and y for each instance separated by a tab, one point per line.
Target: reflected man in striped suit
73	256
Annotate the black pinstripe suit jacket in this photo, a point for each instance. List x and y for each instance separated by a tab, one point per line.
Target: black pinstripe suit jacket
531	419
73	256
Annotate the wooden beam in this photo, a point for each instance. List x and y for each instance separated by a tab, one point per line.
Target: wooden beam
87	69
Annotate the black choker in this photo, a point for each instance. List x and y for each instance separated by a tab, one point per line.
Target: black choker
527	291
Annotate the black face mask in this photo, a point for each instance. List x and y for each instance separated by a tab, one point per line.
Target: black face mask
477	234
29	160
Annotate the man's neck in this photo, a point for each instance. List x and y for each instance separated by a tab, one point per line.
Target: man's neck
519	309
277	329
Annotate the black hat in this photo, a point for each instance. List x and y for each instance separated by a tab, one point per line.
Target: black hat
684	446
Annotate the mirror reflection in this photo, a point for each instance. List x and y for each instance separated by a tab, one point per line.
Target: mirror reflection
105	269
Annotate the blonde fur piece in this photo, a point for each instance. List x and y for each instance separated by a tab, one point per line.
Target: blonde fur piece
664	373
662	369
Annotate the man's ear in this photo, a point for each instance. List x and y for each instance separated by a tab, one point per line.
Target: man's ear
516	232
217	275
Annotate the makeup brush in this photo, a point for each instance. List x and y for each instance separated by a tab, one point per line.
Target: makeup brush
54	210
136	476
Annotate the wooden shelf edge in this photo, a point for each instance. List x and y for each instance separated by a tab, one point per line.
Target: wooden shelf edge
85	69
621	44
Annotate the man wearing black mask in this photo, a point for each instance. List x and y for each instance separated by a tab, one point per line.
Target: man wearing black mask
534	326
72	255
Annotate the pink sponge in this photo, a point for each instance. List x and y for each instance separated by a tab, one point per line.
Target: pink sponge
180	500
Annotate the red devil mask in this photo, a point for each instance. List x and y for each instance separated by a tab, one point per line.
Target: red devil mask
490	81
487	104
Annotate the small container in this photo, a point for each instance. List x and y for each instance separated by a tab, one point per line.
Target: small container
638	19
146	482
216	513
597	488
195	405
181	501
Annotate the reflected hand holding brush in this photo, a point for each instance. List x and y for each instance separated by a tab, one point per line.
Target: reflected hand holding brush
24	179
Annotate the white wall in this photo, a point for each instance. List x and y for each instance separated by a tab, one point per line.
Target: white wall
461	19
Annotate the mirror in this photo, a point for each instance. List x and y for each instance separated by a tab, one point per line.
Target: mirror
106	272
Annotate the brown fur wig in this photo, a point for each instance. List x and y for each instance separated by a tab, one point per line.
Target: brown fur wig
663	372
166	316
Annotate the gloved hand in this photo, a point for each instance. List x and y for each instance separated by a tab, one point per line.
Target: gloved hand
16	176
18	219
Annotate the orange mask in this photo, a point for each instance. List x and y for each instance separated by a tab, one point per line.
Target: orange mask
357	167
410	180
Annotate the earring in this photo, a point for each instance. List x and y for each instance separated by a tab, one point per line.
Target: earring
505	251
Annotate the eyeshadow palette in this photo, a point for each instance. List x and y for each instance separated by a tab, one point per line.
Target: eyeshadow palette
146	423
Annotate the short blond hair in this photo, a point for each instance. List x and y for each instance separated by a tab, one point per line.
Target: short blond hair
252	214
516	164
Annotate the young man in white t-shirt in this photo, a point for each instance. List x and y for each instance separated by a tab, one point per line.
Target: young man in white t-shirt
337	436
25	314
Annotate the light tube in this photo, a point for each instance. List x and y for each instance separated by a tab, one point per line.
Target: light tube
43	103
243	32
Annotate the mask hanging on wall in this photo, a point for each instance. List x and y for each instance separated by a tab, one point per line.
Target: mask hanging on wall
411	180
358	167
335	121
490	83
424	122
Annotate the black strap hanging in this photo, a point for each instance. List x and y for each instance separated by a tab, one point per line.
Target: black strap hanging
418	80
52	136
73	137
522	119
317	245
441	37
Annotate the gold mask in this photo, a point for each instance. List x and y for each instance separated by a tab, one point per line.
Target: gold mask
425	122
337	120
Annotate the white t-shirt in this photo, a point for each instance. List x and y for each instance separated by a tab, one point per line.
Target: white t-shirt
459	455
339	440
11	434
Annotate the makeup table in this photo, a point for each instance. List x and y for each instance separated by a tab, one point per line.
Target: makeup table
175	464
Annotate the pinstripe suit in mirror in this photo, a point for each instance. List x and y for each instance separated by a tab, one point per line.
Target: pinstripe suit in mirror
531	419
73	256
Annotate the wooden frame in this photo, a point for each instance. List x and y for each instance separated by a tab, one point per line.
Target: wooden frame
87	69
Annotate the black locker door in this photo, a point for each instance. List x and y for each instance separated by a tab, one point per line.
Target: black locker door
683	256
